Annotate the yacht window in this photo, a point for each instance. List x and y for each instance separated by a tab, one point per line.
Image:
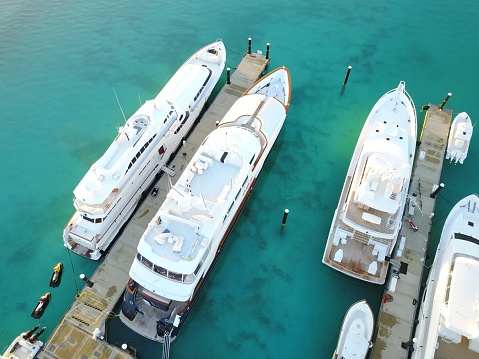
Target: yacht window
138	256
98	220
146	262
246	179
133	160
197	269
174	276
252	158
160	270
88	218
188	278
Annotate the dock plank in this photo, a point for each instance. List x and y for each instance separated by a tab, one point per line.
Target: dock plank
398	309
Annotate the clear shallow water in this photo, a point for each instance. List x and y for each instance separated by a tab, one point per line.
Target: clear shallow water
269	296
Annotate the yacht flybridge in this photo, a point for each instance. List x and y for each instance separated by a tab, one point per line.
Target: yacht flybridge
368	218
108	194
182	243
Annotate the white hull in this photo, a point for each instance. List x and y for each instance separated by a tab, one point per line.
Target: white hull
110	191
181	244
368	218
448	317
459	138
355	337
22	349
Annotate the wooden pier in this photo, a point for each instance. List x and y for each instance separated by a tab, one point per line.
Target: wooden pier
401	298
80	332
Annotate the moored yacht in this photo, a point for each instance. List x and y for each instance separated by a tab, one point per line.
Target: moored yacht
25	346
182	243
108	194
459	138
448	320
355	337
368	218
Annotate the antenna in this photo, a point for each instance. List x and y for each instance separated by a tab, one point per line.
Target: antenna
119	104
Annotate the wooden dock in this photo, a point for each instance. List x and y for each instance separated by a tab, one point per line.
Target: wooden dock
401	298
74	337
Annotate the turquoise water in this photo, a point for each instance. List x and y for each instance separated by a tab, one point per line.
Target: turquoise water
269	296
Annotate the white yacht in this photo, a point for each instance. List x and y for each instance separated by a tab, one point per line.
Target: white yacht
182	243
110	191
368	218
25	346
355	337
449	314
459	138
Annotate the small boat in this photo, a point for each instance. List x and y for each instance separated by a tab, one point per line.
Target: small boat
448	316
355	337
459	138
41	305
184	240
25	346
368	217
56	275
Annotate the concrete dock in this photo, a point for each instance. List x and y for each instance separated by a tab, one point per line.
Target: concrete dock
76	334
401	298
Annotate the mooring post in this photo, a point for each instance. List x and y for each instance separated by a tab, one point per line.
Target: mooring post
228	76
249	45
347	75
267	50
285	217
86	280
436	190
445	100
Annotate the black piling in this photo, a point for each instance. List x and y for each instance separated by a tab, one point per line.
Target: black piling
86	280
445	100
129	350
436	190
347	76
285	217
249	45
228	76
267	50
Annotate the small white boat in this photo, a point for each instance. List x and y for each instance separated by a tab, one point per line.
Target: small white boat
368	218
108	194
182	243
25	346
448	320
356	332
459	138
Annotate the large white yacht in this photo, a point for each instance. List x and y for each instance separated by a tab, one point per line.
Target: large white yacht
449	315
110	191
368	218
182	243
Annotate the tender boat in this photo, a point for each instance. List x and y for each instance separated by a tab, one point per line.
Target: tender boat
110	191
41	305
368	218
449	313
459	138
56	278
178	250
25	346
355	337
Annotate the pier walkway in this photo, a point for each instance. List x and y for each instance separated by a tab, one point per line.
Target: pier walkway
401	296
76	334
